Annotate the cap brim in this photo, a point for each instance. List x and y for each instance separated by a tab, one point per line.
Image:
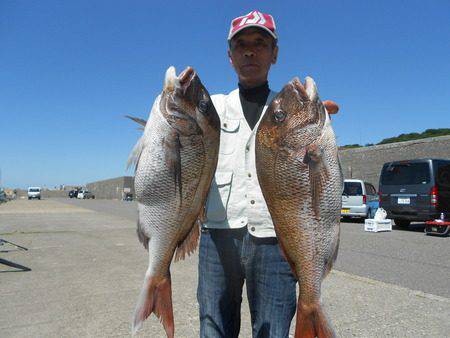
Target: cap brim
253	25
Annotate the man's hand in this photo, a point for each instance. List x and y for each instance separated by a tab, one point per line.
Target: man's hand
331	107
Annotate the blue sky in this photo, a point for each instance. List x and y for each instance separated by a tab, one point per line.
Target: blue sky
70	71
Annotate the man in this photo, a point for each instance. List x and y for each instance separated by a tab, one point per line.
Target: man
238	240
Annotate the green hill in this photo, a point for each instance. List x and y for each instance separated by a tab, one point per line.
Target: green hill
405	137
416	136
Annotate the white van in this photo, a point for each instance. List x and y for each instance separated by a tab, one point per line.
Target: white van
34	192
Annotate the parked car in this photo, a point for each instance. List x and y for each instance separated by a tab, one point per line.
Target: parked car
73	193
3	197
359	199
34	192
128	197
415	190
85	194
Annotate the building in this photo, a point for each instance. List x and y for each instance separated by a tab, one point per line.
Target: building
113	188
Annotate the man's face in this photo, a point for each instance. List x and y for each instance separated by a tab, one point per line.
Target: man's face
252	53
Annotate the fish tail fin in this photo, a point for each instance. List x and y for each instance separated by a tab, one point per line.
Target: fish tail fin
311	322
155	297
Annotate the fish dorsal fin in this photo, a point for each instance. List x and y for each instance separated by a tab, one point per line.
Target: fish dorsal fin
135	154
137	120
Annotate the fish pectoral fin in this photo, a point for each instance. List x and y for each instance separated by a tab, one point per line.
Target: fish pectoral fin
155	297
312	154
137	120
318	174
189	243
172	147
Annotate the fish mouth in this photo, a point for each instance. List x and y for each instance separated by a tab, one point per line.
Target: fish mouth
186	76
307	91
178	104
182	81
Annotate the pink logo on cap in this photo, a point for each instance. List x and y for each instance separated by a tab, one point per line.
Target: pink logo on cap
253	19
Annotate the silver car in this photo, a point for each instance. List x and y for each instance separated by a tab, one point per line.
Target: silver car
359	199
85	195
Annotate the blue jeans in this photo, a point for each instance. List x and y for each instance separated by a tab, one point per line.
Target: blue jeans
227	258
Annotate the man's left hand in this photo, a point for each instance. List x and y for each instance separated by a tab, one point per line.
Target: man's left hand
331	107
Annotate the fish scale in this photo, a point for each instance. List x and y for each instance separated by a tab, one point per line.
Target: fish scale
152	191
175	162
301	180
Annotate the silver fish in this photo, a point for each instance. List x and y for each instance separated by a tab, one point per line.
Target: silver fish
301	180
175	162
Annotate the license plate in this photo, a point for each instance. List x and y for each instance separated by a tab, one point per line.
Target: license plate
345	211
404	200
434	229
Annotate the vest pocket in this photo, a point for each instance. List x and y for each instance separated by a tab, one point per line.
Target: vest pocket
228	134
219	195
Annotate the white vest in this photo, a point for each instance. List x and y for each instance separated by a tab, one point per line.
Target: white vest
235	199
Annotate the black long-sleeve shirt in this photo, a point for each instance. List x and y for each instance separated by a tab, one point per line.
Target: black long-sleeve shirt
253	101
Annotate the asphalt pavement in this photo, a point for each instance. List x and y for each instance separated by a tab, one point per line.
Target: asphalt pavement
405	257
86	267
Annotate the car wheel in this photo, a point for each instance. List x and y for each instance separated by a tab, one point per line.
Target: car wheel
402	222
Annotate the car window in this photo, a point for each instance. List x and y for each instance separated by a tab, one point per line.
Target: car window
409	173
370	190
443	175
352	189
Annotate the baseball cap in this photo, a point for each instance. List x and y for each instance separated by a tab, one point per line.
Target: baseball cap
253	19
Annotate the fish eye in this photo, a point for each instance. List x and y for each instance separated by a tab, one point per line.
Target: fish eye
279	116
203	106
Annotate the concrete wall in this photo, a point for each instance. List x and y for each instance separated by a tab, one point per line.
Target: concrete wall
366	163
113	188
